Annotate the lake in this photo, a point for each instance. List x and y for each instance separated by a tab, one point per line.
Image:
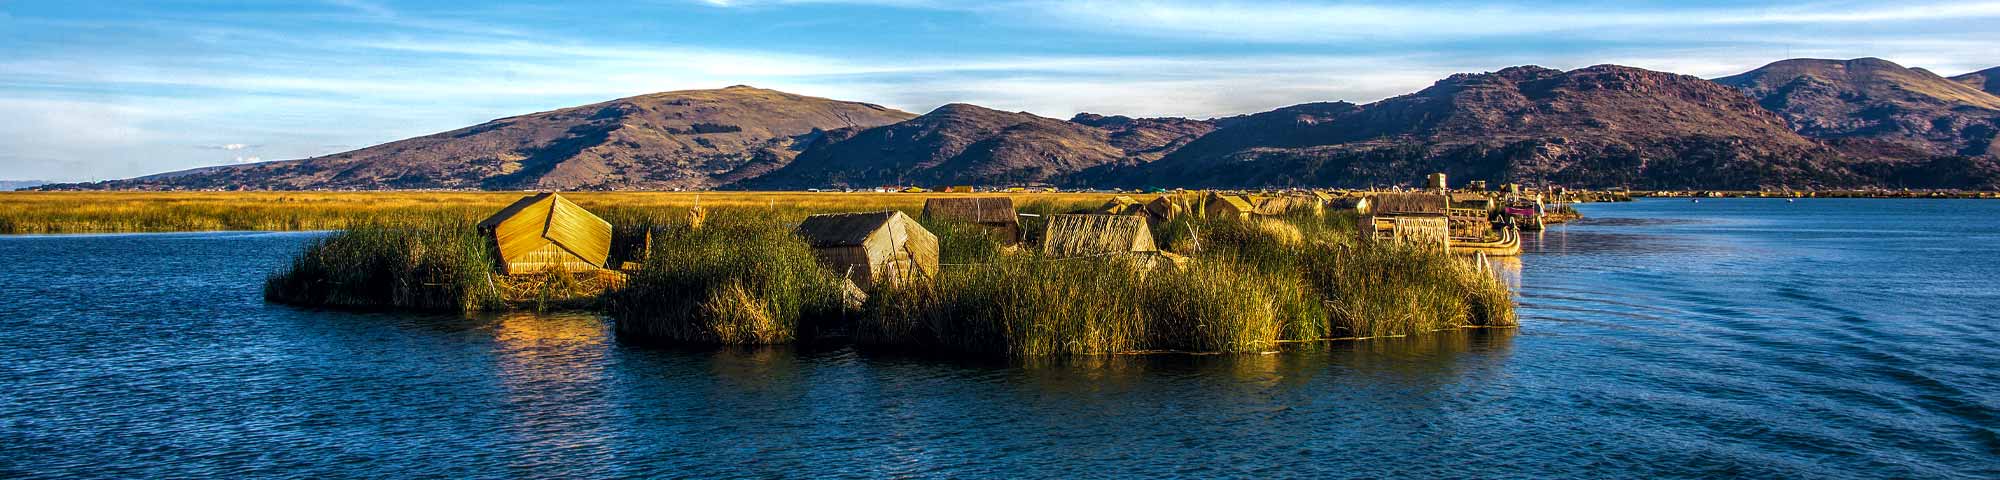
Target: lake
1661	338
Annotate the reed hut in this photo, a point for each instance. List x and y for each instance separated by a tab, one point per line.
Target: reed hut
1071	235
1408	217
1169	206
996	214
872	248
1120	205
545	231
1227	206
1407	204
1473	201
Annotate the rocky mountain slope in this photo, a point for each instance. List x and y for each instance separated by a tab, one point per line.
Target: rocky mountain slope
1796	123
1873	108
1599	126
681	139
968	144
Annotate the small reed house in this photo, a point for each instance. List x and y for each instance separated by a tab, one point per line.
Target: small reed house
1225	206
1085	235
545	231
871	248
1407	217
996	214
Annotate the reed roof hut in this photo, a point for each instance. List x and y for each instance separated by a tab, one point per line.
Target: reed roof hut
1085	235
1225	206
1120	205
1170	206
872	248
996	214
1407	204
545	231
1475	201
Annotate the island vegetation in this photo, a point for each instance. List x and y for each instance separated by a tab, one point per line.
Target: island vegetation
743	277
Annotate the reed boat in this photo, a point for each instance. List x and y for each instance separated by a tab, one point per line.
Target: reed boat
1508	245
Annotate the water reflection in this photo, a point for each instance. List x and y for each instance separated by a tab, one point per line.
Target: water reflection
552	369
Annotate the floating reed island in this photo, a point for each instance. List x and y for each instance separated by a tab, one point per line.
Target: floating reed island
1203	272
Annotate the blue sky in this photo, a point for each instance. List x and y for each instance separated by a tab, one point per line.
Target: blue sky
101	90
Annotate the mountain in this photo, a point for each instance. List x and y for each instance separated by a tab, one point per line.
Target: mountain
968	144
11	185
1987	80
1870	107
1605	125
1795	123
681	139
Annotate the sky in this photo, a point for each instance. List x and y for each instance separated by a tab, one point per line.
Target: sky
96	90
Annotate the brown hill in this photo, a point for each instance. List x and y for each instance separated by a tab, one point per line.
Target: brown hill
1874	108
1599	126
968	144
681	139
1987	80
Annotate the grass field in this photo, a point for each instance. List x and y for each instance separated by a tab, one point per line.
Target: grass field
111	212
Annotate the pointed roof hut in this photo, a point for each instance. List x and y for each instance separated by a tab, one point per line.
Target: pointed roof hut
1224	206
1170	206
1120	205
872	248
546	231
996	214
1072	235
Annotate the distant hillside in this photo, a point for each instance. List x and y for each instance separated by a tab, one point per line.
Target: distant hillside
968	144
683	139
1987	80
1872	107
1599	126
11	185
1795	123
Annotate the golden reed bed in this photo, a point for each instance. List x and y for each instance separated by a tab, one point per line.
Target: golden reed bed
110	212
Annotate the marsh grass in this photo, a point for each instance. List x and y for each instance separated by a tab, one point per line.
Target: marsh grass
740	279
427	264
744	278
1389	290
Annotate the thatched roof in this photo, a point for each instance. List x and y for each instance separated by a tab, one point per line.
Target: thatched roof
544	220
873	247
1471	200
981	210
843	229
1080	235
1218	201
1168	207
1407	204
1120	205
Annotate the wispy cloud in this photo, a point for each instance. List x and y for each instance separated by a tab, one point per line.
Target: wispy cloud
116	95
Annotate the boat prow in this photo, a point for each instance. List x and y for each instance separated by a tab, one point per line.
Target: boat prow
1508	245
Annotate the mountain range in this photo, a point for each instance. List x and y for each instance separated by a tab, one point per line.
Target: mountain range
1802	123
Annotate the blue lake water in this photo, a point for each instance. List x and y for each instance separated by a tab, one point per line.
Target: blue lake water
1660	338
